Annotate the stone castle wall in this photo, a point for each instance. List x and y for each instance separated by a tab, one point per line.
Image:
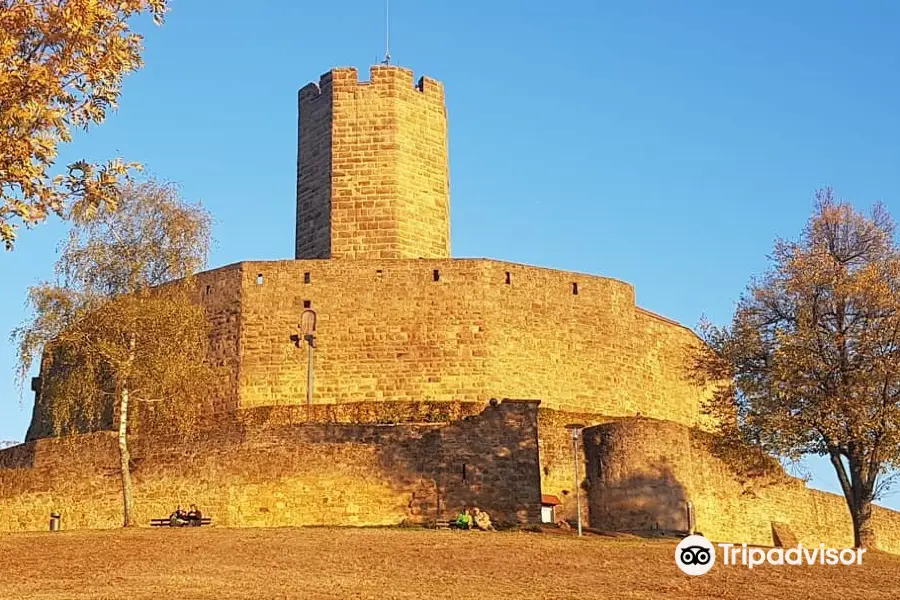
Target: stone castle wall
399	330
452	329
558	456
640	474
362	464
314	168
379	463
373	174
219	291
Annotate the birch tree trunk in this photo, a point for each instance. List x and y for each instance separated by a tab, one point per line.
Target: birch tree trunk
125	456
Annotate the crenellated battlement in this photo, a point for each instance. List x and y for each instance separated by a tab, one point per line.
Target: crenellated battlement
387	77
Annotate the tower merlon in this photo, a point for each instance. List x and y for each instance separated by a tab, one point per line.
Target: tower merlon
341	77
389	75
310	91
430	87
313	90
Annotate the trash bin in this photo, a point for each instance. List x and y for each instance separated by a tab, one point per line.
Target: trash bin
54	521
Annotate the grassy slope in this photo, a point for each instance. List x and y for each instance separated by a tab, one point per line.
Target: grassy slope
386	563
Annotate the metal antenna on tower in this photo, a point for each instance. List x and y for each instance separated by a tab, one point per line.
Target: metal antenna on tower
387	33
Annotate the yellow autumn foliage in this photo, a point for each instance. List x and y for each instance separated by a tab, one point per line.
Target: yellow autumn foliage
61	68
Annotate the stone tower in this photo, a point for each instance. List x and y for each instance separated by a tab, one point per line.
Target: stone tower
372	167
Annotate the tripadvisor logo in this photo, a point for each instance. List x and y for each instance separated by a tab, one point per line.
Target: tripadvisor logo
695	555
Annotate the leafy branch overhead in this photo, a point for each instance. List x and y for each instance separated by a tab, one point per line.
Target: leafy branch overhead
62	63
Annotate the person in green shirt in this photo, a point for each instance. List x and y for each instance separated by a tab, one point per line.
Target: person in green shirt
463	520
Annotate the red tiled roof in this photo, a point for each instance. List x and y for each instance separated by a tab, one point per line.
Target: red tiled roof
548	499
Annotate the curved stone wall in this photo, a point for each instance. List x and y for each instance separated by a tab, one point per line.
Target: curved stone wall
641	473
441	330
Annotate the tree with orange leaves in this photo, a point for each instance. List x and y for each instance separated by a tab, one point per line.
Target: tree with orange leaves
61	68
811	360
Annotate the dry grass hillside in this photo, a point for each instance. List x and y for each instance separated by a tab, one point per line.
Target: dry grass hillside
218	563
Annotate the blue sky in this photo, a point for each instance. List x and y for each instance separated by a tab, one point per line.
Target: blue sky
663	143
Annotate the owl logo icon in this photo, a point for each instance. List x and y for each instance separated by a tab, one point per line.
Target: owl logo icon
695	555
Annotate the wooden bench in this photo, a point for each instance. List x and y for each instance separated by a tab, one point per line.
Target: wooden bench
168	522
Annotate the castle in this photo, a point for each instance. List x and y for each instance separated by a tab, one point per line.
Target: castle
437	383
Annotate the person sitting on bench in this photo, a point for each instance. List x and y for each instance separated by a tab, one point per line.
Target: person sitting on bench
178	518
194	516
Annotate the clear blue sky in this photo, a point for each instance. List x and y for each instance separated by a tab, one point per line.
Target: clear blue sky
663	143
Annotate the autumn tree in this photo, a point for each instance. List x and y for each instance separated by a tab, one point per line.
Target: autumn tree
120	332
813	353
61	68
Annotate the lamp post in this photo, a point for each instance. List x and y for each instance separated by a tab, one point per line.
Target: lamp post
576	428
308	334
